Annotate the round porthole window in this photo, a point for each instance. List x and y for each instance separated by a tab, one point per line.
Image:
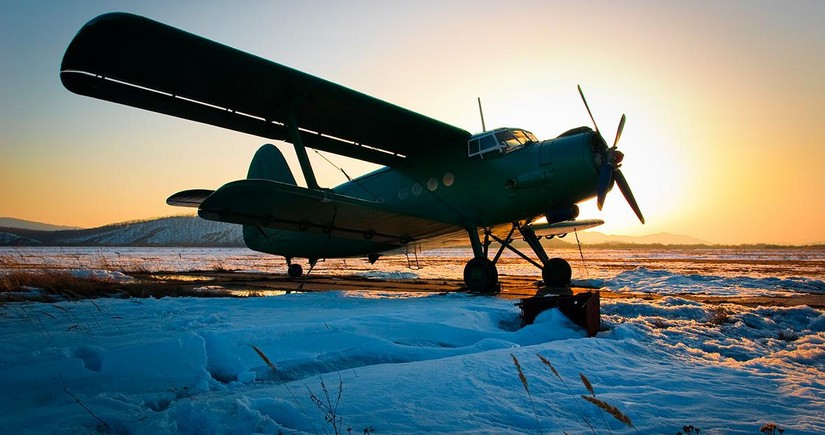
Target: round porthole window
432	184
417	189
403	193
448	179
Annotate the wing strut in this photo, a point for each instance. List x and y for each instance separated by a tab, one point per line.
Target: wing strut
301	151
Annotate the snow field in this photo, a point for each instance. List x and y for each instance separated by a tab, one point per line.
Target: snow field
439	364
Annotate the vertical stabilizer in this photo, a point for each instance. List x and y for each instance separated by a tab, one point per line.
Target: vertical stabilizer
270	164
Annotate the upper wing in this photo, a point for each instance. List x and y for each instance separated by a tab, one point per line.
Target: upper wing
565	227
271	204
135	61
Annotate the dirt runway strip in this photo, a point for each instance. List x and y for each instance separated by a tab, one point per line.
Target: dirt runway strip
512	287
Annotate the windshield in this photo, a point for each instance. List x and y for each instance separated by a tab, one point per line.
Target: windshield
503	140
514	138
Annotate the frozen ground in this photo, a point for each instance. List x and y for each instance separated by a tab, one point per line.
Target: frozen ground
724	272
440	364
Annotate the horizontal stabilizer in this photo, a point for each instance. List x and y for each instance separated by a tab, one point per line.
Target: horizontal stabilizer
189	198
565	227
272	204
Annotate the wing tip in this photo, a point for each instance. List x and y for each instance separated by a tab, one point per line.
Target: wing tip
189	198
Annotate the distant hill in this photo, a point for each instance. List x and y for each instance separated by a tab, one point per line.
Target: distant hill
192	231
7	222
169	231
594	237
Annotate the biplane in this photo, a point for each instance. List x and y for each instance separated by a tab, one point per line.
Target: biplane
437	181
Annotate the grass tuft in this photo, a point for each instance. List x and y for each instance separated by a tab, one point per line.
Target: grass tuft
329	408
547	362
264	358
521	374
103	424
587	384
771	429
610	409
527	389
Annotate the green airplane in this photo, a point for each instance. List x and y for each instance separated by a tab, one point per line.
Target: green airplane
438	182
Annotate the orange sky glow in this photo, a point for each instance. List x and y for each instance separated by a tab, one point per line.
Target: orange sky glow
724	102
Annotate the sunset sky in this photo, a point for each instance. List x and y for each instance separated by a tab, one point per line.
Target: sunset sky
725	102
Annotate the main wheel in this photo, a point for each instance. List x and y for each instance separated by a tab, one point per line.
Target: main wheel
481	275
556	273
295	270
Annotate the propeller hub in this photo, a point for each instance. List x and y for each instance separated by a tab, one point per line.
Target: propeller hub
618	156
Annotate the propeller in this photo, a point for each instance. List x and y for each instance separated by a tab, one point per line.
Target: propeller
610	171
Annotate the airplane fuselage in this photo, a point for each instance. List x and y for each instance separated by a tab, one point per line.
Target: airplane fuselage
466	192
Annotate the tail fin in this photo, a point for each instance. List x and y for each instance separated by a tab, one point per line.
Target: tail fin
269	164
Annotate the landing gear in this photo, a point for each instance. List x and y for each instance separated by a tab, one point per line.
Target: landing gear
295	270
481	275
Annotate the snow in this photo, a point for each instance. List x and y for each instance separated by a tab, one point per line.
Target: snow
646	280
439	363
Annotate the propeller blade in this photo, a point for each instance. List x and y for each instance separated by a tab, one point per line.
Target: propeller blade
588	109
628	194
605	182
619	131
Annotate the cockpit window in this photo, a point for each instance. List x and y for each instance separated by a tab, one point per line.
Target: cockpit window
473	147
503	140
507	138
488	143
524	137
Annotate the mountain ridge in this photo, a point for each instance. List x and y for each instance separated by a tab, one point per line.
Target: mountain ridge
10	222
181	231
192	231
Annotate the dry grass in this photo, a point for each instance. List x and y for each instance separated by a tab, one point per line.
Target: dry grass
547	362
527	389
56	285
719	316
53	284
587	384
608	408
264	357
601	404
103	427
771	429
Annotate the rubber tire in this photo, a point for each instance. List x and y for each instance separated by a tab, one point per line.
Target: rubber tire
556	273
481	275
295	270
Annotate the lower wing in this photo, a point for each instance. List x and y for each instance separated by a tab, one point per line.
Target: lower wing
565	227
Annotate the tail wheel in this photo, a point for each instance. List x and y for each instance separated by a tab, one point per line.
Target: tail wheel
295	270
481	275
556	273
